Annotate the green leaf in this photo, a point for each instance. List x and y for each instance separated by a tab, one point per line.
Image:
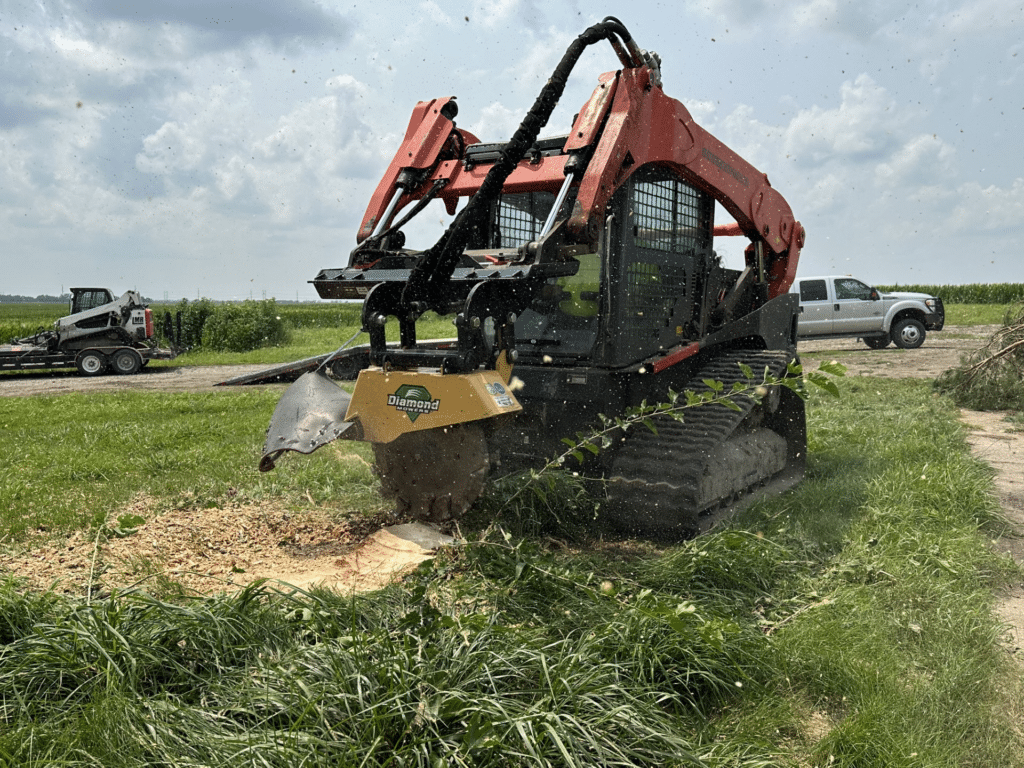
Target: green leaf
833	368
823	382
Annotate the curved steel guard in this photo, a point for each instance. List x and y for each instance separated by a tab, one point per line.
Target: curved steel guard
309	415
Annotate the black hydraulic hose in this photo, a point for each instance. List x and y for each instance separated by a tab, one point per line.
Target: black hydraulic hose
430	277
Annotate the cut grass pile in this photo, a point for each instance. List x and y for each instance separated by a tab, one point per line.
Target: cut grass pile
848	623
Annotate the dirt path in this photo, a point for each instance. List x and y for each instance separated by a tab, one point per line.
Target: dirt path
155	377
217	549
993	441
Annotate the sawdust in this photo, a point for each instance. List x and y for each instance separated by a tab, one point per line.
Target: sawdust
201	550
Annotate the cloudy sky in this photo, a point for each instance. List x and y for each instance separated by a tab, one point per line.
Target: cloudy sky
228	148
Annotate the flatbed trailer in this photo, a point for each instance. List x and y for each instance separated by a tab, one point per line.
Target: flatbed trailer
90	361
101	333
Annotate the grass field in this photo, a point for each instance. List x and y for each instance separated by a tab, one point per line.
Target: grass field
848	623
976	314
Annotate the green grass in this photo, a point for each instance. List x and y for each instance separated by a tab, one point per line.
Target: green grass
976	314
308	342
848	623
68	462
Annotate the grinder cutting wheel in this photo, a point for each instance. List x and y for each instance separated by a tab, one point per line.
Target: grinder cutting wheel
585	261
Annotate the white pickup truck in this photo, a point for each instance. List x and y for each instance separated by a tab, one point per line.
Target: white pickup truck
843	306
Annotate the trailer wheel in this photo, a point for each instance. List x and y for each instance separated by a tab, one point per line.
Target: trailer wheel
126	361
91	363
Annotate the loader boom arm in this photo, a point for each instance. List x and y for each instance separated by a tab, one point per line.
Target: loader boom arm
628	123
645	126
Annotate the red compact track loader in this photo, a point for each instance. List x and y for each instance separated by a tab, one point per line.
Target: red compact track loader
583	280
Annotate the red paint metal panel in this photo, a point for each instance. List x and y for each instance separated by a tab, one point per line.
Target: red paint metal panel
548	174
425	138
678	356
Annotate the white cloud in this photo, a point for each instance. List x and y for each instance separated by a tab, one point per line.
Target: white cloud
989	208
923	159
861	19
863	125
310	162
432	11
499	14
824	194
170	149
496	122
979	18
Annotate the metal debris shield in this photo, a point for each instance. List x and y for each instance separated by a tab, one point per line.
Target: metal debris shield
309	415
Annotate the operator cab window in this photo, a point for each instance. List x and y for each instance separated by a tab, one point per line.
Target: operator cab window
518	218
661	254
562	321
813	290
89	298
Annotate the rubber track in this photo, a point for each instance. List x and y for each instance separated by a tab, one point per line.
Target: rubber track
655	478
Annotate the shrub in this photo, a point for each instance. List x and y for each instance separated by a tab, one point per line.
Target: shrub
992	378
243	327
193	317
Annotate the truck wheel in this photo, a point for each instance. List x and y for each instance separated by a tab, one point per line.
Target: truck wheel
126	362
877	342
908	334
91	363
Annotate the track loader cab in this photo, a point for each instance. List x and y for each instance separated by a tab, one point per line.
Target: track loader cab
642	289
84	299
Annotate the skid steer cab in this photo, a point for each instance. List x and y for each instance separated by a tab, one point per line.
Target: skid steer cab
582	279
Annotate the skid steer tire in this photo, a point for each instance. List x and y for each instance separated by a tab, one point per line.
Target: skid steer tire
434	475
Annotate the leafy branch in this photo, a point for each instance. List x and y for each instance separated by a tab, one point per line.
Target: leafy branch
612	428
